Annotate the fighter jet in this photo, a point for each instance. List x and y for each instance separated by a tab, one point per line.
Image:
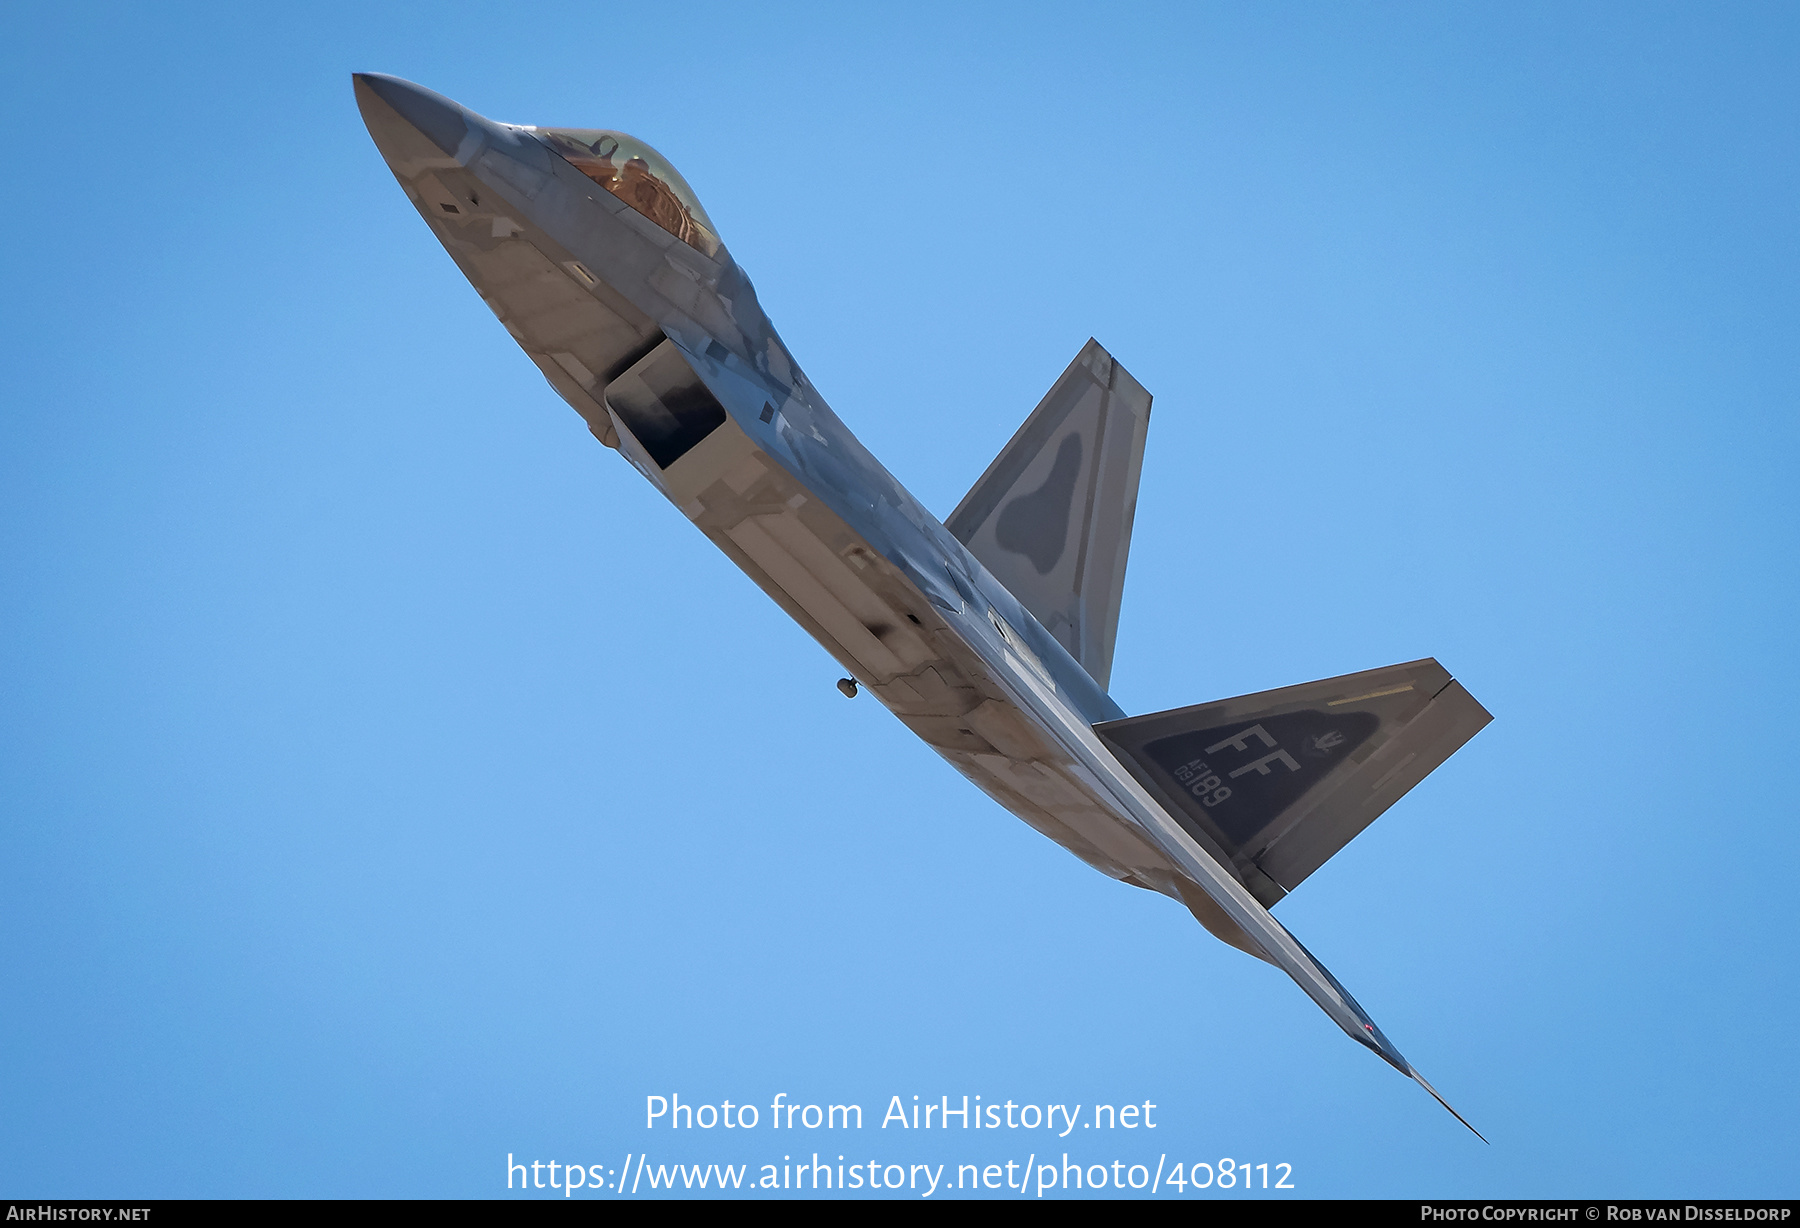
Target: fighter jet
989	634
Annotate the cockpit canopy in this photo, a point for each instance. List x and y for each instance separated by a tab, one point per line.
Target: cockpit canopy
640	177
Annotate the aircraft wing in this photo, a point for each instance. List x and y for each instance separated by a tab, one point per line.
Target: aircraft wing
1278	782
1222	895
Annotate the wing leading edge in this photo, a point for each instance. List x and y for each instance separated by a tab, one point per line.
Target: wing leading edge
1239	918
1271	785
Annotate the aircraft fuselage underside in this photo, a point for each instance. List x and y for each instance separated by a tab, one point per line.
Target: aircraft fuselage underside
606	271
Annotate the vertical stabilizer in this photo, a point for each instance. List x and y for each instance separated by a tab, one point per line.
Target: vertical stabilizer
1051	517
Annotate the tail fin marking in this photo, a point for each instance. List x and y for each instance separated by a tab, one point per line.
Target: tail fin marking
1281	780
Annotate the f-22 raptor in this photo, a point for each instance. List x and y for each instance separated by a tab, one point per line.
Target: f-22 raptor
990	634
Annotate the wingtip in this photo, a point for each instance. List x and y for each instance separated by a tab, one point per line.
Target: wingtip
1420	1080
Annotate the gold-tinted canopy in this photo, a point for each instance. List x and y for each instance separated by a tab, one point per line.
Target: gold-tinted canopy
639	176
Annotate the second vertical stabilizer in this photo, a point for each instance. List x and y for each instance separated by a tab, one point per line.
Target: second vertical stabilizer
1051	517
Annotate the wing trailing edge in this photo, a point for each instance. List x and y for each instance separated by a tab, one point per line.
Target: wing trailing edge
1051	518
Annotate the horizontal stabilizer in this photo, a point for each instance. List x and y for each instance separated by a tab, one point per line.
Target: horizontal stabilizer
1281	780
1051	517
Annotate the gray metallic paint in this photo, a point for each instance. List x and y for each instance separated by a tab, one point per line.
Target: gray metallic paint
589	288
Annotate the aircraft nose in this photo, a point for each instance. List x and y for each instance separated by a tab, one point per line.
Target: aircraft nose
442	121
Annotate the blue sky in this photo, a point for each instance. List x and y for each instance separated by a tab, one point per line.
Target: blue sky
390	781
